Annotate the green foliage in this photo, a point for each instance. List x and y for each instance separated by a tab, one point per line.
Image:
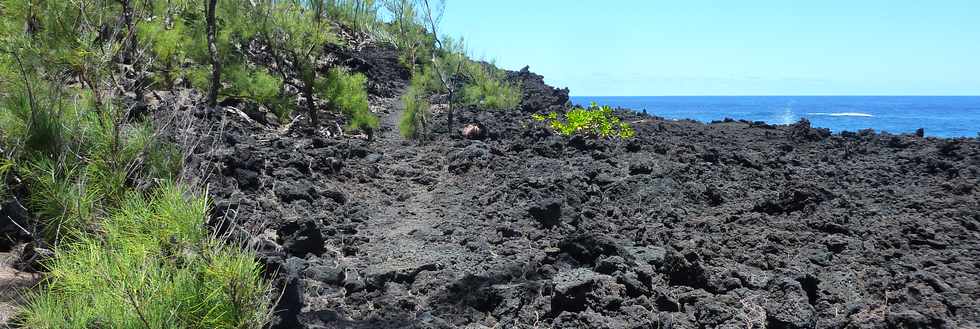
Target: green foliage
54	29
489	89
7	166
407	32
176	38
77	159
415	119
123	259
256	84
362	15
67	204
155	267
596	121
149	155
168	44
346	92
297	36
32	122
299	30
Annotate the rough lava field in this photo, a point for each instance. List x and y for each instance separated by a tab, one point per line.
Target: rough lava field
725	225
690	225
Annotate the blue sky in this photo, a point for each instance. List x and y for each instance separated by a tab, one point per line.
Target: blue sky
743	47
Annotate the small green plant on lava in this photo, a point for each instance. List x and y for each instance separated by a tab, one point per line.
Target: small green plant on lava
595	122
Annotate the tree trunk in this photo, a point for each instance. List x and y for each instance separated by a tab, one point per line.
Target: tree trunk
129	45
452	109
213	52
310	104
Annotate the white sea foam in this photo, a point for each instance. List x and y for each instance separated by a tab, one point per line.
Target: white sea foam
844	114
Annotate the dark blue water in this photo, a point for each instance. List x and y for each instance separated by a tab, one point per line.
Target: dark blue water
939	116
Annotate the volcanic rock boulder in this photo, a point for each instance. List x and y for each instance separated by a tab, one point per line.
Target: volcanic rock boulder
12	218
802	131
580	289
474	154
302	237
789	306
686	269
547	212
537	95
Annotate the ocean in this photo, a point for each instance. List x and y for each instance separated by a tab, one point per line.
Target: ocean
939	116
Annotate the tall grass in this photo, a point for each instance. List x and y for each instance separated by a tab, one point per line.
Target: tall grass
153	266
415	119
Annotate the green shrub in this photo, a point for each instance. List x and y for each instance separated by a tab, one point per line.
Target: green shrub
155	267
346	92
171	46
33	129
489	88
68	206
595	121
406	31
150	156
361	15
71	159
167	43
414	121
415	118
252	83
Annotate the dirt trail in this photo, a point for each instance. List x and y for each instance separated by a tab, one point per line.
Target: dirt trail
395	221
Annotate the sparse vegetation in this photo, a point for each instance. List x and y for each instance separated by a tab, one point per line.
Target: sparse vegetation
415	119
448	71
407	32
489	89
345	92
595	121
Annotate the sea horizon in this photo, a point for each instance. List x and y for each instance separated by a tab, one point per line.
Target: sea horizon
947	116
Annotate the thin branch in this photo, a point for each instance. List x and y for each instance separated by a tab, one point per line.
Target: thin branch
27	84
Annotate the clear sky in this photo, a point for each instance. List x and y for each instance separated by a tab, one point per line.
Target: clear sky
731	47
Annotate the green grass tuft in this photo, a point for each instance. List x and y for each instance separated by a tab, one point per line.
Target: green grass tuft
346	91
415	119
155	266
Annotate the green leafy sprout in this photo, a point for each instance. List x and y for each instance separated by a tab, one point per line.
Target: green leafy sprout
595	121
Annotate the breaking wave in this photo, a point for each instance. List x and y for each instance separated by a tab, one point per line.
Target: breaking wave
844	114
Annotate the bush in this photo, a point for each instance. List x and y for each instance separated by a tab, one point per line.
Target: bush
407	32
77	161
255	84
415	119
33	128
489	88
358	14
67	205
148	155
168	46
155	267
596	122
346	92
